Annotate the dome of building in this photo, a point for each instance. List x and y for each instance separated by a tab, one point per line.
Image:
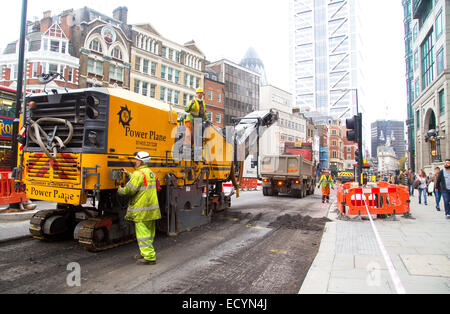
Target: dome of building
252	62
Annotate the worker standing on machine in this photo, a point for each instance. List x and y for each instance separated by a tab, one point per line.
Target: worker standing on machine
195	109
326	181
143	208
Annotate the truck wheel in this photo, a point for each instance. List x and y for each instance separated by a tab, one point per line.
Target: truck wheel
297	193
265	192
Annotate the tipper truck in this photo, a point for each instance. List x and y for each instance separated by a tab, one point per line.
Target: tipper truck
287	174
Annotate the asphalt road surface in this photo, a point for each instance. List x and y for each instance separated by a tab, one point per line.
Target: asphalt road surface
261	245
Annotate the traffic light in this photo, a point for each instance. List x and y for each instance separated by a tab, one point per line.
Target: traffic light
353	126
354	134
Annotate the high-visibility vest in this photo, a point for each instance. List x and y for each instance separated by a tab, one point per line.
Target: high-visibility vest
144	205
326	181
193	110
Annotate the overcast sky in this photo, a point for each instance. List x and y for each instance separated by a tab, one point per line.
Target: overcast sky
226	29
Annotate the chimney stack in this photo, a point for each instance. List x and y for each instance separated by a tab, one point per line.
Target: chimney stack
121	14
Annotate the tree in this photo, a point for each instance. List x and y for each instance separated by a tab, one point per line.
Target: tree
402	163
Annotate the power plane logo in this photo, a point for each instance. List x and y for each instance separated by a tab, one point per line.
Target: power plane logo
125	116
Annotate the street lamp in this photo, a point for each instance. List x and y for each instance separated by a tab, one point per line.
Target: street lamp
433	137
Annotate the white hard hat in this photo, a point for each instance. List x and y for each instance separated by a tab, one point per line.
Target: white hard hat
143	156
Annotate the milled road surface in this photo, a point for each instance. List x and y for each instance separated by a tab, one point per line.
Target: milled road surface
261	245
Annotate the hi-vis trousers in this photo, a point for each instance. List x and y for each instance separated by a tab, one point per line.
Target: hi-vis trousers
145	234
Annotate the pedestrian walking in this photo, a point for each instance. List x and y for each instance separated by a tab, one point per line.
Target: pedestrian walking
443	182
143	208
430	186
403	179
423	187
326	181
437	189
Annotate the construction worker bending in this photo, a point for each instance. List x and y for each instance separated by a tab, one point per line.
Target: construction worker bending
326	181
195	109
143	209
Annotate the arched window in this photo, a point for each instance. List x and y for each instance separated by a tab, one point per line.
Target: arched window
117	53
95	46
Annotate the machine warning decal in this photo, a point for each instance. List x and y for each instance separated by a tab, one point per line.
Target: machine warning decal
125	116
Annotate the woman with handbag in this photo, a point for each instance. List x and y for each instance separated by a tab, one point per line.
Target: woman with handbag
423	187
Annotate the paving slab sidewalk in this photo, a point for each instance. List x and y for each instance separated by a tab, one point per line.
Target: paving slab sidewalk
15	225
350	261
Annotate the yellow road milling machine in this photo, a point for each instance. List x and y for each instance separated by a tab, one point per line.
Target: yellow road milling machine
78	142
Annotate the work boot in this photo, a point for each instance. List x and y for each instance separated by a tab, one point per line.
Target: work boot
143	261
138	257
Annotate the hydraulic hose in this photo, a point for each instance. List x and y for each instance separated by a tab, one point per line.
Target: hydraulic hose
38	131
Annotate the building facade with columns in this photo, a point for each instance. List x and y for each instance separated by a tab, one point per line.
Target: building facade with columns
430	75
163	69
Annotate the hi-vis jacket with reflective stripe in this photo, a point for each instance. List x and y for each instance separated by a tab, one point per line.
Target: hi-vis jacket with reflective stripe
326	181
193	110
141	188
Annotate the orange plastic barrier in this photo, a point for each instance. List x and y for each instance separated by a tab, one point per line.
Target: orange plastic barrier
8	195
249	184
385	199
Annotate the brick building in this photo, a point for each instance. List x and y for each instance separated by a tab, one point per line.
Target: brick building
214	97
336	145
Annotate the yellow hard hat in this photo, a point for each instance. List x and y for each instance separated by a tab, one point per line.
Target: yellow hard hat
199	90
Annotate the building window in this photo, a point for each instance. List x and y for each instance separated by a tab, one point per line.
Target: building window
191	81
115	73
144	88
170	74
45	44
163	72
153	69
439	25
185	99
210	95
334	143
177	77
70	75
418	119
169	95
210	115
440	61
427	61
153	90
441	103
170	54
34	70
164	51
219	97
415	32
417	88
145	66
416	60
54	45
53	68
137	64
185	82
218	118
137	86
176	97
162	93
116	53
177	56
334	154
95	46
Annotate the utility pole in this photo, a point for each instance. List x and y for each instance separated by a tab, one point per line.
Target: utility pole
20	78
